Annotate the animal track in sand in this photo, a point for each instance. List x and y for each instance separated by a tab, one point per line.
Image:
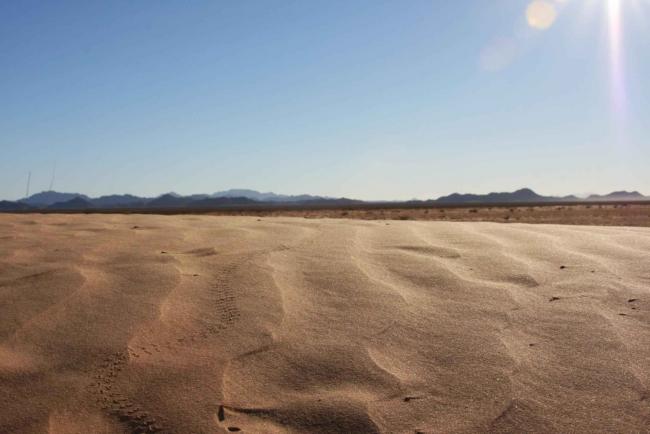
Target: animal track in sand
115	403
221	418
104	386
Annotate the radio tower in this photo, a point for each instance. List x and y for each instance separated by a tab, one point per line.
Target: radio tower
29	179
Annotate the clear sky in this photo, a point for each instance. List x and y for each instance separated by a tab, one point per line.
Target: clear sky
364	99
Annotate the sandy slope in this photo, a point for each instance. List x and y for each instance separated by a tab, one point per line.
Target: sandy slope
117	323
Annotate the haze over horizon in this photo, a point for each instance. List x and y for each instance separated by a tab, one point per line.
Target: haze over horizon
51	197
370	100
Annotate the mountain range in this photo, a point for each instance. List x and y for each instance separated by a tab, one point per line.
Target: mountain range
52	200
526	195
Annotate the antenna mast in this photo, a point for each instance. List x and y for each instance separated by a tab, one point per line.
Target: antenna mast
29	179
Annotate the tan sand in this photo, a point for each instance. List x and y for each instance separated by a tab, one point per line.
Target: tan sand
193	324
601	214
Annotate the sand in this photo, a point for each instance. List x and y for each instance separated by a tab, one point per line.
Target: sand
203	324
601	214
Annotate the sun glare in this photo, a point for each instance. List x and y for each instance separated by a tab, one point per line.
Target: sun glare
616	55
541	14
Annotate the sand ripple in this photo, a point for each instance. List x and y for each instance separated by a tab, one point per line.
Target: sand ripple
119	323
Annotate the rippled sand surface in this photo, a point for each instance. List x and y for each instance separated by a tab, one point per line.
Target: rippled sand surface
202	324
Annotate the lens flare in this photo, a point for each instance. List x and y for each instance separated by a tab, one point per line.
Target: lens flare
498	55
541	14
617	78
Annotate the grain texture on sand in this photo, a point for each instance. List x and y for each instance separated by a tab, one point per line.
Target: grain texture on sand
124	323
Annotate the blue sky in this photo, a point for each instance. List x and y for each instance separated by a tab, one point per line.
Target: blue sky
364	99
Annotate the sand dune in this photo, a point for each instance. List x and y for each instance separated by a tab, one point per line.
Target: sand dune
203	324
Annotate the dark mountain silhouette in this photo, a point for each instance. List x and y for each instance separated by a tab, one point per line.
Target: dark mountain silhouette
71	201
247	198
618	195
265	197
522	195
47	198
328	202
7	206
526	195
198	196
118	200
219	202
179	196
169	201
77	203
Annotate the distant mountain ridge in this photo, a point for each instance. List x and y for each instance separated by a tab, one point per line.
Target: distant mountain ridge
524	195
117	200
47	198
266	197
52	200
618	195
8	206
76	203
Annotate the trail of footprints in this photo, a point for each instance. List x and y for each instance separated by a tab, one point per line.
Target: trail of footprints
127	411
120	406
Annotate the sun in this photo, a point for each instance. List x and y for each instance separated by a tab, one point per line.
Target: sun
617	73
541	15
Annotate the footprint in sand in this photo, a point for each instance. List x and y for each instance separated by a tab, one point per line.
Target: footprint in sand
115	403
221	416
412	398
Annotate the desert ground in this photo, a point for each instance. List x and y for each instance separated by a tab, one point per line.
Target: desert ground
565	213
208	324
601	214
